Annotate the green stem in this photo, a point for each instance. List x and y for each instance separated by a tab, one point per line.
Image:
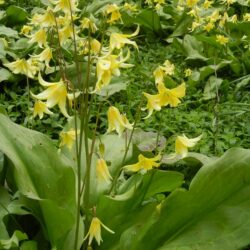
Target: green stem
117	174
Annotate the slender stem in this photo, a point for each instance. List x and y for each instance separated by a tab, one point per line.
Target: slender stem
117	174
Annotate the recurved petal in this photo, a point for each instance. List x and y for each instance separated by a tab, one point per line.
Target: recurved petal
44	83
133	168
179	91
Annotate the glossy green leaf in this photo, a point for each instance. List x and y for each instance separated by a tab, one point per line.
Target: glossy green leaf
213	214
13	241
149	19
8	32
41	176
16	15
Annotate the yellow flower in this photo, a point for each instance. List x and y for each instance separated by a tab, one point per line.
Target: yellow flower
234	19
102	171
182	144
65	33
158	74
144	164
160	71
154	103
65	5
117	121
55	94
207	4
95	46
214	17
209	26
107	66
171	96
222	39
39	37
44	56
86	23
188	72
26	29
68	138
22	66
168	68
40	108
191	3
117	40
246	17
44	20
113	9
195	25
130	7
223	20
95	231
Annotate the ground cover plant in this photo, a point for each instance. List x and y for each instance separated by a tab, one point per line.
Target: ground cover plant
124	124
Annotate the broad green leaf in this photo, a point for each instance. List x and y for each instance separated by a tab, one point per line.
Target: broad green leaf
193	48
5	75
182	26
41	176
149	19
213	214
16	15
13	241
243	83
162	181
212	87
29	245
8	32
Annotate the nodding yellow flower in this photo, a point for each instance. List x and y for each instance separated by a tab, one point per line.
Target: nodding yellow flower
55	94
159	1
39	37
158	74
95	46
246	17
86	23
117	40
168	68
223	20
182	143
144	164
44	20
95	231
171	96
117	121
214	17
102	171
109	65
26	29
234	19
195	25
222	39
229	2
188	72
113	11
154	103
130	7
191	3
44	56
40	108
208	27
207	4
65	5
65	33
68	138
22	66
